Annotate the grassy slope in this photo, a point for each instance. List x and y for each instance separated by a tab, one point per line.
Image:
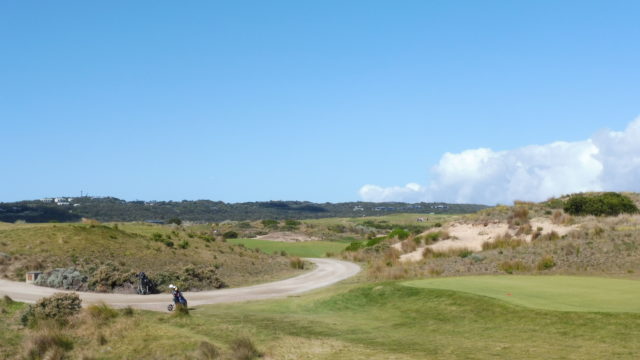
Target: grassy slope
303	249
564	293
375	321
399	219
47	246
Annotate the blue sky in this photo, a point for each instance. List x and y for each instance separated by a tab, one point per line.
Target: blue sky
290	100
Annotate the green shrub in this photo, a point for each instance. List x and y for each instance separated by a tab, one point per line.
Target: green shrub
156	237
183	244
546	263
354	246
292	223
399	233
606	204
108	276
270	223
435	236
374	241
230	235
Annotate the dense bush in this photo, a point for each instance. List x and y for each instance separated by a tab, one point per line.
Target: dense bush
58	306
606	204
270	223
109	276
230	235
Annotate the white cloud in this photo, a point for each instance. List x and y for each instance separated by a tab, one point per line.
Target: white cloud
610	160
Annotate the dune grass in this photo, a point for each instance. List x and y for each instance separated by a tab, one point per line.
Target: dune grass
302	249
562	293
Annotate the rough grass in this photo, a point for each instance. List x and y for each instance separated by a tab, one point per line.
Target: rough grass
371	321
302	249
130	248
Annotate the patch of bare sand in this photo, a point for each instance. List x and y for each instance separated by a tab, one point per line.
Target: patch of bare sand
473	236
286	236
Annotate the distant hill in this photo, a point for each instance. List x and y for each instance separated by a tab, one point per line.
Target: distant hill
114	209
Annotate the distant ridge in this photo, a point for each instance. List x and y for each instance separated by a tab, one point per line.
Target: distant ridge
69	209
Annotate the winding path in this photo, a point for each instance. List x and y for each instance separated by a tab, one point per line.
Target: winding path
327	272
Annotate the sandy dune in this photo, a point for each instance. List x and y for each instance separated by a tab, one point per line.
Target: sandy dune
472	236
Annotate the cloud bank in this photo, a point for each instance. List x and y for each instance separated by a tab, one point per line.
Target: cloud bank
609	160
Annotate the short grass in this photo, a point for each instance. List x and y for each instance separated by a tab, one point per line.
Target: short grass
302	249
374	321
563	293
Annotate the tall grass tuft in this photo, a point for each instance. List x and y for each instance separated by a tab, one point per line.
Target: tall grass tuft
513	266
243	349
547	262
180	310
47	343
296	263
505	241
208	351
101	313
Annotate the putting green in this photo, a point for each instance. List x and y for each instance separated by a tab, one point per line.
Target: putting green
563	293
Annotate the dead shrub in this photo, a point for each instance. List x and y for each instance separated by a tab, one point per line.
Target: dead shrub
243	349
519	216
408	246
525	229
552	236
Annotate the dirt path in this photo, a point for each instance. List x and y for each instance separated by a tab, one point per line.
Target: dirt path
327	272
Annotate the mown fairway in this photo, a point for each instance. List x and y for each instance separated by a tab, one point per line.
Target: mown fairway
302	249
564	293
